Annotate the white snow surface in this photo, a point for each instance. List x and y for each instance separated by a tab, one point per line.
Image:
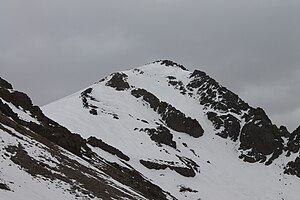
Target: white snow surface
21	112
222	174
22	184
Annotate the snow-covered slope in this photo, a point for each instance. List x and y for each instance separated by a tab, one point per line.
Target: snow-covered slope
41	159
185	133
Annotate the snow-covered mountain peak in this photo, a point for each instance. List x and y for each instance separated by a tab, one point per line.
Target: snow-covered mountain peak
183	131
157	131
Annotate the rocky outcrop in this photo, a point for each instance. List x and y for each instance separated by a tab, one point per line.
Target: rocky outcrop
233	118
261	137
173	118
3	186
293	167
95	142
184	171
118	81
5	84
214	96
228	124
161	135
47	127
170	63
293	145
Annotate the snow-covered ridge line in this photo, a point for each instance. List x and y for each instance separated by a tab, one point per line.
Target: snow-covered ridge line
122	110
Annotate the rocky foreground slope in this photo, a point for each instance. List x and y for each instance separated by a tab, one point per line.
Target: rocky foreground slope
41	159
157	131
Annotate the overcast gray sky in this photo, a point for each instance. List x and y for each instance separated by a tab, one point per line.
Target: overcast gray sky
52	48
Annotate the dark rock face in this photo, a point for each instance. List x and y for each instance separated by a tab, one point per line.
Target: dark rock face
119	82
261	136
170	63
258	137
135	180
174	119
48	128
95	142
189	163
293	167
4	187
294	141
5	84
161	135
86	97
177	84
62	137
184	171
186	189
230	124
16	98
215	96
178	121
147	96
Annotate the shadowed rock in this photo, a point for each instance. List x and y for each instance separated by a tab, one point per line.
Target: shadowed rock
95	142
293	167
294	141
184	171
174	118
161	135
231	125
5	84
170	63
261	136
4	187
118	81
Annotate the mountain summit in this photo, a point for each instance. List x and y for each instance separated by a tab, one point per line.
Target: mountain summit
184	132
158	131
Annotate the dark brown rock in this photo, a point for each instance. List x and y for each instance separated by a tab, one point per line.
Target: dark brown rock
95	142
294	141
261	136
231	125
5	84
174	118
293	167
4	187
161	135
184	171
119	82
170	63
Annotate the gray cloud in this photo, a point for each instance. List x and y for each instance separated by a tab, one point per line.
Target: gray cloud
50	49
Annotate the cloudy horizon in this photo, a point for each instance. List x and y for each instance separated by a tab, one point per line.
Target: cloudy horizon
50	49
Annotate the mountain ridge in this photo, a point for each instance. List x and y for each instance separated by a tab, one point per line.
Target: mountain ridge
152	88
157	131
